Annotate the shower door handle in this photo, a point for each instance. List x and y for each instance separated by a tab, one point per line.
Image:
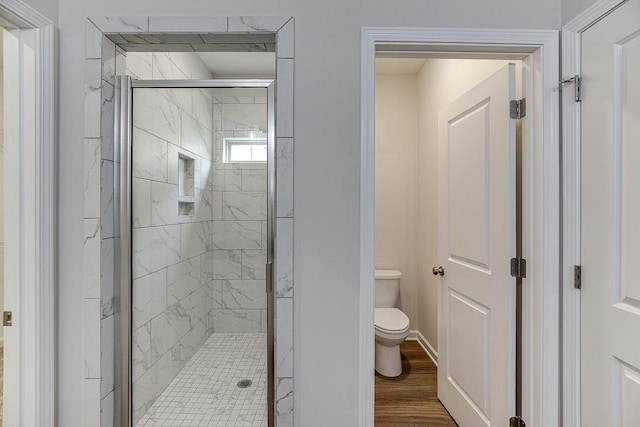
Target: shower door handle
269	276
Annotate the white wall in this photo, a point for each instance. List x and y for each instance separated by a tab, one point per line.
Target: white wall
327	123
397	183
440	81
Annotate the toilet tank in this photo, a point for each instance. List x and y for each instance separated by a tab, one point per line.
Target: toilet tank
387	288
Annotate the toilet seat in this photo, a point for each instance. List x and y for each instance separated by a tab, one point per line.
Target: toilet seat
391	321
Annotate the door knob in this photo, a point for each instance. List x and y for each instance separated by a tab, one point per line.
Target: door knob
437	270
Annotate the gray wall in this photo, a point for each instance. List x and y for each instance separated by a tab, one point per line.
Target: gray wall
572	8
48	8
327	120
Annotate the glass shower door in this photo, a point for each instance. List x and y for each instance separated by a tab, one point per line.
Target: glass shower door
200	237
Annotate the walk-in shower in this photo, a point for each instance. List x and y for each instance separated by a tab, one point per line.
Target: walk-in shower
196	191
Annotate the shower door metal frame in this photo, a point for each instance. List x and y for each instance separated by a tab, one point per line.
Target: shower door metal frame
123	125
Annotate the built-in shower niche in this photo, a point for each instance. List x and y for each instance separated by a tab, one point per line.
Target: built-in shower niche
186	185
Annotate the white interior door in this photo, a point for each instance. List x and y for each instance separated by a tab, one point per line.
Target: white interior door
476	239
610	212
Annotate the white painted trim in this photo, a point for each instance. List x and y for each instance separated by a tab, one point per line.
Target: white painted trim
415	335
571	199
36	401
543	216
591	15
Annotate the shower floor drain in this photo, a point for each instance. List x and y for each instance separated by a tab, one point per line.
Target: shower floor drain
244	383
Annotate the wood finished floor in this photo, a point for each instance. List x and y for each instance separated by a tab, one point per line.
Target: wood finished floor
412	398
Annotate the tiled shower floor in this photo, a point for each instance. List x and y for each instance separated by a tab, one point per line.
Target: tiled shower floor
205	392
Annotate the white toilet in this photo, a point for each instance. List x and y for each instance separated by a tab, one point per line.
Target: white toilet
392	325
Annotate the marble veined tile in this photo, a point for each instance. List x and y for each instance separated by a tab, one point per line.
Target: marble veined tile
200	304
106	199
256	23
250	294
204	205
237	234
255	180
202	109
203	179
235	320
132	24
284	179
92	164
254	264
195	24
284	98
149	297
141	203
155	248
232	180
193	340
149	156
284	402
151	384
107	350
245	206
91	259
206	268
284	344
107	271
164	203
153	113
245	117
215	287
182	279
284	258
91	341
181	98
227	264
165	69
194	239
168	327
139	64
141	351
195	137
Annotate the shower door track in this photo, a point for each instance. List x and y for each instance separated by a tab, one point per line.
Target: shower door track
123	125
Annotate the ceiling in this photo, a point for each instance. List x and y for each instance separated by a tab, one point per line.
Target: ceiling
399	65
259	64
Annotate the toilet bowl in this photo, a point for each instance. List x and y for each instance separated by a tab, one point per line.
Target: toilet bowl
391	329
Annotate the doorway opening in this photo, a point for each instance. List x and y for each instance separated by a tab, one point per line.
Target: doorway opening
535	53
195	323
413	97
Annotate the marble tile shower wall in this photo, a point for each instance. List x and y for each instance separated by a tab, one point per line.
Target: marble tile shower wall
172	259
103	60
239	235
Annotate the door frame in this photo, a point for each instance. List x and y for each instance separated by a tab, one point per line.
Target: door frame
123	100
32	186
541	203
571	200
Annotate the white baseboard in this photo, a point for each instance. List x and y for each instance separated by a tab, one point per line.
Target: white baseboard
415	335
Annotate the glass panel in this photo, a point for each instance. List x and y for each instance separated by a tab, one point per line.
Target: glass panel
239	153
199	306
259	153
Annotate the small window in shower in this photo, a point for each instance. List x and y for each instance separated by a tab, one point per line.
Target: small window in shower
245	150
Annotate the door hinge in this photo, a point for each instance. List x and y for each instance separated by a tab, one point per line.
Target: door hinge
518	108
7	318
516	422
577	276
518	268
577	86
